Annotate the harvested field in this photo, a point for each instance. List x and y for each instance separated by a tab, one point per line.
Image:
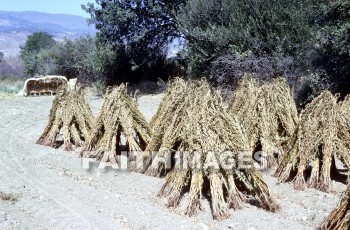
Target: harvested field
56	192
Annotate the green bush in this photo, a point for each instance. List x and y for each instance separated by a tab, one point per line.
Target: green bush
10	85
310	86
334	44
260	28
138	32
75	58
31	52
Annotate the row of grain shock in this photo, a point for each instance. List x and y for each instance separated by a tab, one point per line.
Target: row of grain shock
308	144
191	125
313	146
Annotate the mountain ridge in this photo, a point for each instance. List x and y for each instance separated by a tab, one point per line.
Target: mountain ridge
29	21
15	26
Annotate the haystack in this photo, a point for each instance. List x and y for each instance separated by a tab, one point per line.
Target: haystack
166	125
269	115
192	127
340	217
323	135
119	117
70	117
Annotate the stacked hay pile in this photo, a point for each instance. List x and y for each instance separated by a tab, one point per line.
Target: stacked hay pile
71	116
119	117
269	115
167	126
323	133
340	217
192	121
343	122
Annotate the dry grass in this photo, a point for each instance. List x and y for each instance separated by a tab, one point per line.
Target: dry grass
166	125
340	217
118	117
269	115
10	85
70	117
323	133
192	122
8	197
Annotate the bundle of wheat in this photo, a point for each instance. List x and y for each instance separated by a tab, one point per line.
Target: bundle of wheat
340	217
44	85
322	135
269	115
343	122
208	147
71	116
119	117
166	125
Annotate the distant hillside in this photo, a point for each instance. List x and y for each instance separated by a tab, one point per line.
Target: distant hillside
16	26
35	21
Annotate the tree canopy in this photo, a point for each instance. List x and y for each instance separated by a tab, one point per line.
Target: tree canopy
334	44
30	51
139	31
305	41
260	28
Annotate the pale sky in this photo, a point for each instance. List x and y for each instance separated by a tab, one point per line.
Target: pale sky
47	6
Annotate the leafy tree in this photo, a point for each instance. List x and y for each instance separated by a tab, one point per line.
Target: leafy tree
70	55
241	28
138	31
35	43
84	58
109	64
334	44
45	62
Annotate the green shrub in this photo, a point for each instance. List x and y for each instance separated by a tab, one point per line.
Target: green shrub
138	32
30	51
334	44
260	28
310	86
10	85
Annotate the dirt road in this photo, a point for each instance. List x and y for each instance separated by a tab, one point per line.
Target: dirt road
54	191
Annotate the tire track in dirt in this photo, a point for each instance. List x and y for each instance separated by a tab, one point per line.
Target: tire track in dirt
60	209
67	213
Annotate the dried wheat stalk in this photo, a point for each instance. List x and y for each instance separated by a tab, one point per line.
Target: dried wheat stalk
70	116
269	115
322	134
339	218
191	125
118	117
